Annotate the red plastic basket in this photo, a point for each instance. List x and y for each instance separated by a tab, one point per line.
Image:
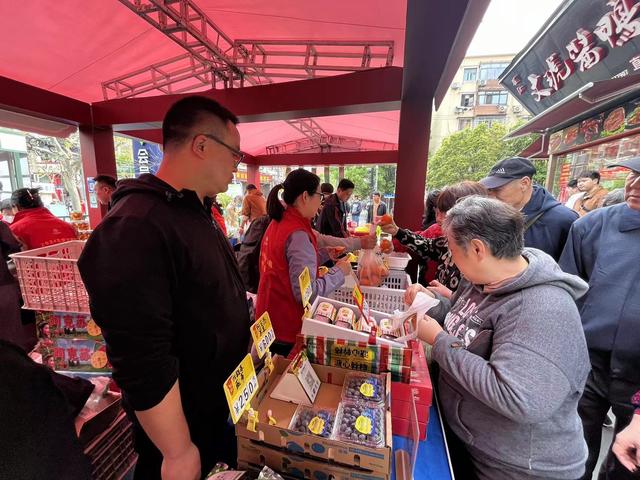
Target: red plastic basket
49	278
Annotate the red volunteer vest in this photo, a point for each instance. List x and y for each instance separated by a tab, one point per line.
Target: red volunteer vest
38	227
274	292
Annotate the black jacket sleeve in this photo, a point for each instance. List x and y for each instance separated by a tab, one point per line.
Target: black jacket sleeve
330	219
129	273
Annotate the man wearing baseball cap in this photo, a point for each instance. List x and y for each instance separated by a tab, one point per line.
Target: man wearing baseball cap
547	220
603	248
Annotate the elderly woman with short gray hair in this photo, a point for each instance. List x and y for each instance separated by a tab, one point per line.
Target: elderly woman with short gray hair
512	354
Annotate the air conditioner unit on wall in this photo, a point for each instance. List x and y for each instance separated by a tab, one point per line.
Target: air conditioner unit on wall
482	83
502	108
517	108
455	86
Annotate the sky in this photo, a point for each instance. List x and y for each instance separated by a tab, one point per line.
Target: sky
505	30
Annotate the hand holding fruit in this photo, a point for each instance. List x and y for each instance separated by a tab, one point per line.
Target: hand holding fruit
335	252
428	330
388	225
436	286
368	242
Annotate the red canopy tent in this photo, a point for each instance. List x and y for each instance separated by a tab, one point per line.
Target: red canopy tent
364	69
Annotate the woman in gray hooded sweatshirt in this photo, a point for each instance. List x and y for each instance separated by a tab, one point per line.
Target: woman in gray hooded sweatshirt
512	354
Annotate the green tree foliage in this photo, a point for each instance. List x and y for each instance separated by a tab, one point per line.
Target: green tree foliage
470	154
365	179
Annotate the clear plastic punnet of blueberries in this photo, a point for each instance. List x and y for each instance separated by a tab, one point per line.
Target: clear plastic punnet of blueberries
360	417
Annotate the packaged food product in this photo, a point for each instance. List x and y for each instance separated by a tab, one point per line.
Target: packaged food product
362	424
325	312
363	387
345	318
314	421
387	331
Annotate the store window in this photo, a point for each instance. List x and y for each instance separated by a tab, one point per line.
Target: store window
493	98
597	158
465	123
491	71
467	99
488	120
470	74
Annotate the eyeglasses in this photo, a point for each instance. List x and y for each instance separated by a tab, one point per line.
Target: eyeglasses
321	195
238	155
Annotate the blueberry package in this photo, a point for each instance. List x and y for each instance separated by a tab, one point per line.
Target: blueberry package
314	421
361	423
363	387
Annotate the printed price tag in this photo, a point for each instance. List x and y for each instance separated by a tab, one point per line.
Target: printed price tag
240	388
263	334
305	286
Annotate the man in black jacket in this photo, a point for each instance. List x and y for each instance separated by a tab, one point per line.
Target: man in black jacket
333	216
164	287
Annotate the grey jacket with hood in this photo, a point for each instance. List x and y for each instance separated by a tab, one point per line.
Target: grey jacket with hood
514	363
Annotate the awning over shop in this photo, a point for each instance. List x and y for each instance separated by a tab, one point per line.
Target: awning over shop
592	98
538	149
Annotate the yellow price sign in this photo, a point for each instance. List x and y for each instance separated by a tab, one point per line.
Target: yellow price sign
263	334
305	286
358	296
240	388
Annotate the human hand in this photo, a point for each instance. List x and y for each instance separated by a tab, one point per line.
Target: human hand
428	329
345	266
411	292
335	252
184	466
390	228
436	286
368	242
627	445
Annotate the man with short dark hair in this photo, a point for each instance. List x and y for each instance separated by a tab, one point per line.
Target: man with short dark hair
376	208
603	248
547	221
333	217
105	186
356	210
593	193
254	206
164	287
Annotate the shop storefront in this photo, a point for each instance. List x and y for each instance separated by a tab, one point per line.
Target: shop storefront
581	78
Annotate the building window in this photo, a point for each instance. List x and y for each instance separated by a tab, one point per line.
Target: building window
470	74
467	99
465	123
488	119
492	98
491	71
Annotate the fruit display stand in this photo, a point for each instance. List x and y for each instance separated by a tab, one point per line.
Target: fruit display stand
287	447
387	298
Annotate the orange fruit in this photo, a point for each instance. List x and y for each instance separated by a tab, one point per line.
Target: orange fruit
385	219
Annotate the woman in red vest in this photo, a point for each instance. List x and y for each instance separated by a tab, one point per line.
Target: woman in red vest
34	225
289	245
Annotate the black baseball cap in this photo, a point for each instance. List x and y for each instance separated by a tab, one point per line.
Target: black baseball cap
631	163
507	170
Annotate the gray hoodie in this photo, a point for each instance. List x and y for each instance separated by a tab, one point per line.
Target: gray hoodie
513	364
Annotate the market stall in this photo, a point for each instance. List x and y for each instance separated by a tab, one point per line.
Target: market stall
580	78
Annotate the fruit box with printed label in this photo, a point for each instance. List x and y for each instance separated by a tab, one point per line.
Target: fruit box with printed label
322	449
419	383
323	328
253	454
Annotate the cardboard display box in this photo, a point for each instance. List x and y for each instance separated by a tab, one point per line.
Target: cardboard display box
402	409
420	382
254	454
279	436
402	427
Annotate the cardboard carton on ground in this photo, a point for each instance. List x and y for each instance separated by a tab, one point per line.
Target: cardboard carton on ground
279	436
255	454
